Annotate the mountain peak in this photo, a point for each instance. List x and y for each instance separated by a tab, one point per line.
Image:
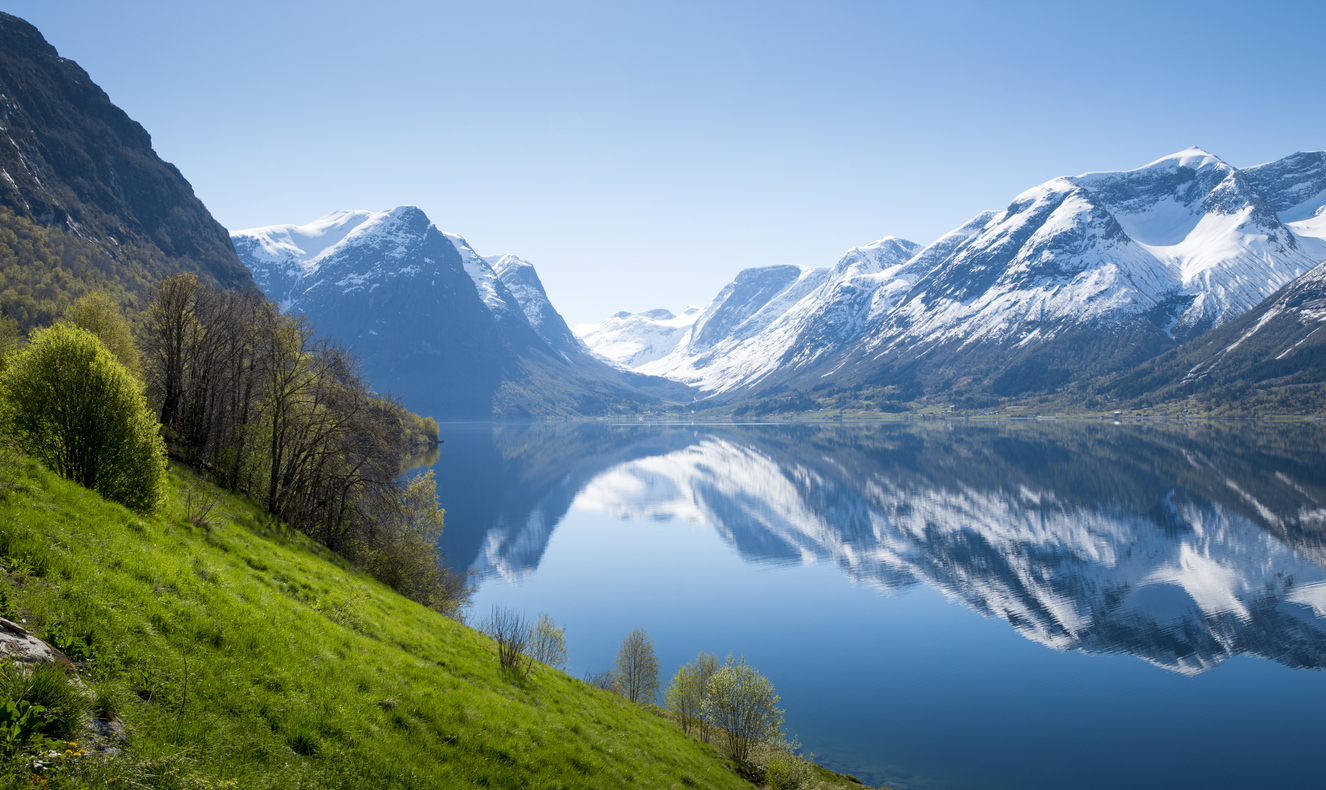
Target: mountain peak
502	264
407	213
1192	157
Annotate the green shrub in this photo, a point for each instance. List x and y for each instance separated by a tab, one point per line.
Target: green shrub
741	703
97	313
782	768
64	704
70	404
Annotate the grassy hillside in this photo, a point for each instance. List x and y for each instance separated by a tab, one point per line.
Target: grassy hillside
241	655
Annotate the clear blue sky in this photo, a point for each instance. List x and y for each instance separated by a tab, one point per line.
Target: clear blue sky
641	153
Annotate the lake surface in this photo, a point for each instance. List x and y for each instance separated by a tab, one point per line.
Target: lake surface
940	605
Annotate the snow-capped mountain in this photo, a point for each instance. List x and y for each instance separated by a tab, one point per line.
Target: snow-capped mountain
1078	276
769	318
751	326
431	319
1276	350
1185	243
523	283
629	340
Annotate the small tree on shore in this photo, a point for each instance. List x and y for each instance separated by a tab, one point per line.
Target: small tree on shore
685	695
636	669
548	642
741	703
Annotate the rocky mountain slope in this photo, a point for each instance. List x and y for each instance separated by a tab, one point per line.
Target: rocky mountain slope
75	164
433	321
1078	277
1274	355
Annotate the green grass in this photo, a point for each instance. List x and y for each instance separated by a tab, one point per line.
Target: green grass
240	655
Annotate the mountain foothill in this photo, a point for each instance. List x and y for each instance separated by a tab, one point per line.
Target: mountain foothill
1186	280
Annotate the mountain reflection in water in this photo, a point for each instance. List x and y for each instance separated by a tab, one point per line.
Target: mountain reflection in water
1182	546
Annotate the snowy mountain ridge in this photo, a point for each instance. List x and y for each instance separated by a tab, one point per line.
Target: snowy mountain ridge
288	261
631	340
454	333
1147	258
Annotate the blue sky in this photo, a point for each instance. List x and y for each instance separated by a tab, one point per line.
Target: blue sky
640	154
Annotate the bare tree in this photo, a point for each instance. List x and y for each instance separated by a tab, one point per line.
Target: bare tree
603	680
259	401
509	630
170	315
636	668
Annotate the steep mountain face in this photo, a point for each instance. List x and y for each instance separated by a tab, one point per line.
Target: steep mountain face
523	283
72	160
1078	277
432	321
1294	187
1275	355
1187	241
1089	275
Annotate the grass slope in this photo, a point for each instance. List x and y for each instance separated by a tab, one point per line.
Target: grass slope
242	656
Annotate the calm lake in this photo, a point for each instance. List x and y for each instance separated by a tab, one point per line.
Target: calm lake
940	605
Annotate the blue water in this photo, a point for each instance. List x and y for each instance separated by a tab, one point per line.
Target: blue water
1006	606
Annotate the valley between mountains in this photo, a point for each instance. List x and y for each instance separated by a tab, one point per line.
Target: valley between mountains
945	605
1056	299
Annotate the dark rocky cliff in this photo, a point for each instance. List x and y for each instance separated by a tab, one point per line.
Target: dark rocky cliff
73	162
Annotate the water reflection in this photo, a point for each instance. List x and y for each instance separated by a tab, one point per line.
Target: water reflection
1182	546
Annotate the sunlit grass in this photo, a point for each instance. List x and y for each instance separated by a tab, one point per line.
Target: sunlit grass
239	652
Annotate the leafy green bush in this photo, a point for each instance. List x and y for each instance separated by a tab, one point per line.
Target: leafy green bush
741	703
98	314
782	768
70	404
